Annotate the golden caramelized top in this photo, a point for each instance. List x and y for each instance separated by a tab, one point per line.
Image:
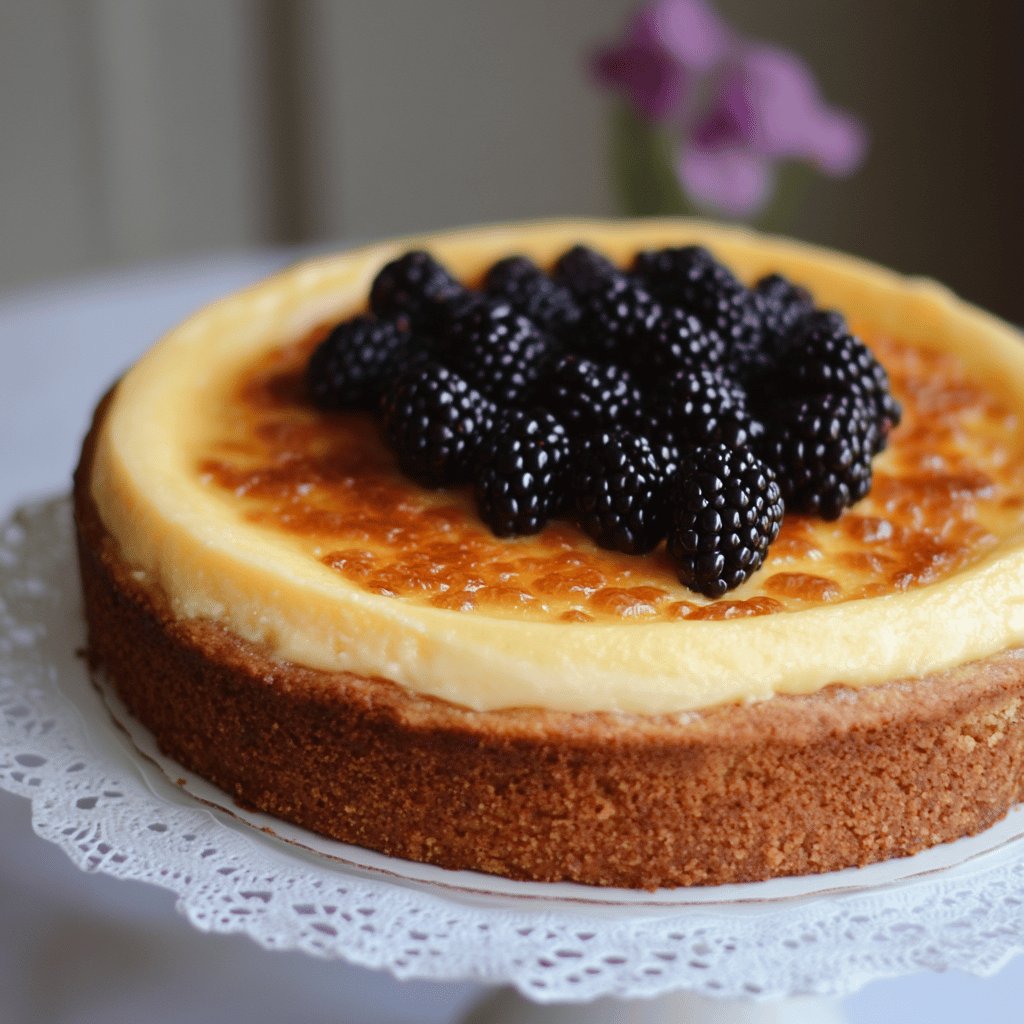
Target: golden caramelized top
293	528
949	486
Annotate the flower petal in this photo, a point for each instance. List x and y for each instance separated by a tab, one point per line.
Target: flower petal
641	67
692	32
667	45
787	116
841	143
733	180
730	119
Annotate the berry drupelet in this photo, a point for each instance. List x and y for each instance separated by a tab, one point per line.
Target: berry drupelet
726	509
520	483
618	485
434	421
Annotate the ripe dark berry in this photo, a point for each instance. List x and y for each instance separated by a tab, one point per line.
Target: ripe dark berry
701	407
434	422
612	319
782	306
675	341
521	477
496	349
413	289
667	272
822	356
586	394
692	279
520	282
349	367
726	510
820	447
618	487
584	271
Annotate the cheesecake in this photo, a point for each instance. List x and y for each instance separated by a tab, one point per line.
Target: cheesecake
329	642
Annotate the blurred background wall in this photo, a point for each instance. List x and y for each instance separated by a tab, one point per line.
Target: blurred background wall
150	129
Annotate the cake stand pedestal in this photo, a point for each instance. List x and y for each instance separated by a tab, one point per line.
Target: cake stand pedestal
107	797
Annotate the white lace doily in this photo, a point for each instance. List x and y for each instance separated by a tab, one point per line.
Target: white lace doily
112	809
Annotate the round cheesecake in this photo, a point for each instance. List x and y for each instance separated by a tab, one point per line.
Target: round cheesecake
302	625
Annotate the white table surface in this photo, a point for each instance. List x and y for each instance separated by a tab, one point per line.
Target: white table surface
89	949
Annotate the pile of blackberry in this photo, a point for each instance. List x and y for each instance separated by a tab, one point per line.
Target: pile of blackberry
667	402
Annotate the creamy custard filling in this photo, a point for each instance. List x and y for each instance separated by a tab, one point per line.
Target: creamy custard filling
292	528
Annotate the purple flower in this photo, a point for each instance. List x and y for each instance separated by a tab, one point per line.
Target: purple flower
738	107
668	46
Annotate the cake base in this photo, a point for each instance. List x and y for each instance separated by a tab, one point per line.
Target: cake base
792	785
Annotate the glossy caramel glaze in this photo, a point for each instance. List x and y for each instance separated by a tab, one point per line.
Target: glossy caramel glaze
949	487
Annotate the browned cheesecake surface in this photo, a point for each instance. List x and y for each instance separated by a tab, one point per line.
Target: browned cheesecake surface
948	488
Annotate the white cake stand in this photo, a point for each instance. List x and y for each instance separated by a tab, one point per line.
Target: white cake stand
731	953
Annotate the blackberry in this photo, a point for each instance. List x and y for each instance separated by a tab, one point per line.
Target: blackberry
822	356
434	422
349	367
618	487
584	271
783	304
726	510
612	319
587	394
495	348
826	320
521	283
701	407
692	279
666	271
413	289
675	341
821	447
458	307
520	480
